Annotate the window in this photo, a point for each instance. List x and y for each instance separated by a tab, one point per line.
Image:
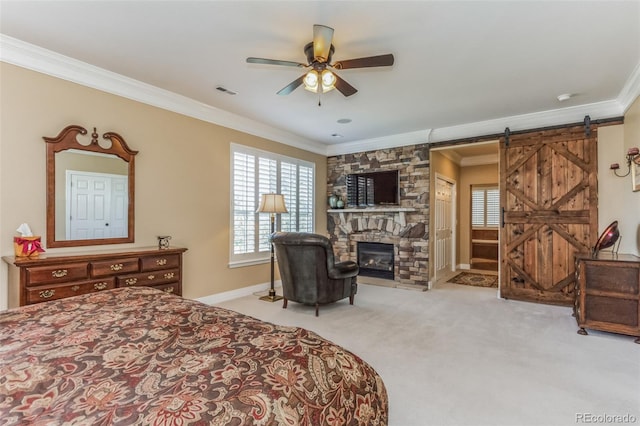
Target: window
485	207
255	172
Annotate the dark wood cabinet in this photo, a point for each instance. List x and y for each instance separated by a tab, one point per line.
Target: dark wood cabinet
56	276
608	293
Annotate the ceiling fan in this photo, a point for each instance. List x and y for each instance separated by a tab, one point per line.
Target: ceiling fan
320	78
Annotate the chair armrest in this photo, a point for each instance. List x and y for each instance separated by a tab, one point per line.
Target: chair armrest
342	270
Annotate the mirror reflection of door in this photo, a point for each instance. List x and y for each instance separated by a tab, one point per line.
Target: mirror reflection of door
96	205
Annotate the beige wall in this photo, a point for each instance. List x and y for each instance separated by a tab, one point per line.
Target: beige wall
182	173
616	200
470	175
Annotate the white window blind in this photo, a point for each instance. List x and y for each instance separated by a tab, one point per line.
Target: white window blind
485	207
255	172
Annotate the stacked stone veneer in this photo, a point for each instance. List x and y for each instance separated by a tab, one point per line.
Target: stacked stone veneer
408	231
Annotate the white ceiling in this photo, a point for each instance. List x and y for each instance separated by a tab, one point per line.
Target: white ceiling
461	68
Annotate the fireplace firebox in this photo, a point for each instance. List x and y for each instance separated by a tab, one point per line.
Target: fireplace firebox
376	260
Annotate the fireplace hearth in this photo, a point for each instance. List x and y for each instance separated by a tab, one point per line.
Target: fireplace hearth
376	260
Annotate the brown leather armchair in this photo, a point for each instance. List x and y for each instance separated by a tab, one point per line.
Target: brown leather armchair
309	272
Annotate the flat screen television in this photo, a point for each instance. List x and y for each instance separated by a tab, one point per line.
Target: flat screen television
373	189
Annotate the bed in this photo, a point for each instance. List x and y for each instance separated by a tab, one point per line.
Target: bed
140	356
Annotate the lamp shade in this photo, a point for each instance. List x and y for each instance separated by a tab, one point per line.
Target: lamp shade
272	203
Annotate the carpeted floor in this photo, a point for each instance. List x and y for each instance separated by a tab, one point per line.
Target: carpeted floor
474	279
459	355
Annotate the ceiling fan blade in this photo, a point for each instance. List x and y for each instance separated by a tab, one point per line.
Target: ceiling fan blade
343	87
370	61
322	37
275	62
291	86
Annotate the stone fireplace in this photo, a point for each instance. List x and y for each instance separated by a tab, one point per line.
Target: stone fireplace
404	227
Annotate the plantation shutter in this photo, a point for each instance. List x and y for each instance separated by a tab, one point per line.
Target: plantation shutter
289	188
244	205
477	208
305	199
255	172
492	204
268	183
485	207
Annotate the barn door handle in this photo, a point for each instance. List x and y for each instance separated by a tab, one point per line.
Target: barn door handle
502	218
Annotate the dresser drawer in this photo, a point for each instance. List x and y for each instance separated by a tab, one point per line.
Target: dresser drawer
57	274
107	268
150	278
60	291
621	277
153	263
173	288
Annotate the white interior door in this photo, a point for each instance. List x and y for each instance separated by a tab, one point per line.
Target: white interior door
97	205
444	227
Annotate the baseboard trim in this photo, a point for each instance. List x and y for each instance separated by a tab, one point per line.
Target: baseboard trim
241	292
464	266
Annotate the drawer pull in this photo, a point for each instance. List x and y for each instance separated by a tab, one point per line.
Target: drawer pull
116	267
151	277
59	273
75	288
169	275
168	290
161	262
131	281
45	294
100	286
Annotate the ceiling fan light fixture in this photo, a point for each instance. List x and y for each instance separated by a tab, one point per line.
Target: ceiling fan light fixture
328	79
311	81
319	53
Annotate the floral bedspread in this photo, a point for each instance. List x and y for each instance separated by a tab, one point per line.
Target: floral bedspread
140	356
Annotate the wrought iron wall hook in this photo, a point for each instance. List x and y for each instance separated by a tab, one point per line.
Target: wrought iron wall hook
633	155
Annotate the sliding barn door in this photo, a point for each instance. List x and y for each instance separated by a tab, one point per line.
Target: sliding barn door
549	196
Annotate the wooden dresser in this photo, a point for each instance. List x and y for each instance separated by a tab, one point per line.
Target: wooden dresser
608	293
55	276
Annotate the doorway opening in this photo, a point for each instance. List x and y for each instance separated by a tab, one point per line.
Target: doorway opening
475	249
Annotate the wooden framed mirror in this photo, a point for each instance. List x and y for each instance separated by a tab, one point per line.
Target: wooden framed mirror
90	189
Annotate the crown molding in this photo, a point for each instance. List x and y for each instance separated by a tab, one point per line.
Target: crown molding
47	62
383	142
476	160
598	110
35	58
451	155
480	160
631	89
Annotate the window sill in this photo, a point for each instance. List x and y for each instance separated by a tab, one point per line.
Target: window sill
243	263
